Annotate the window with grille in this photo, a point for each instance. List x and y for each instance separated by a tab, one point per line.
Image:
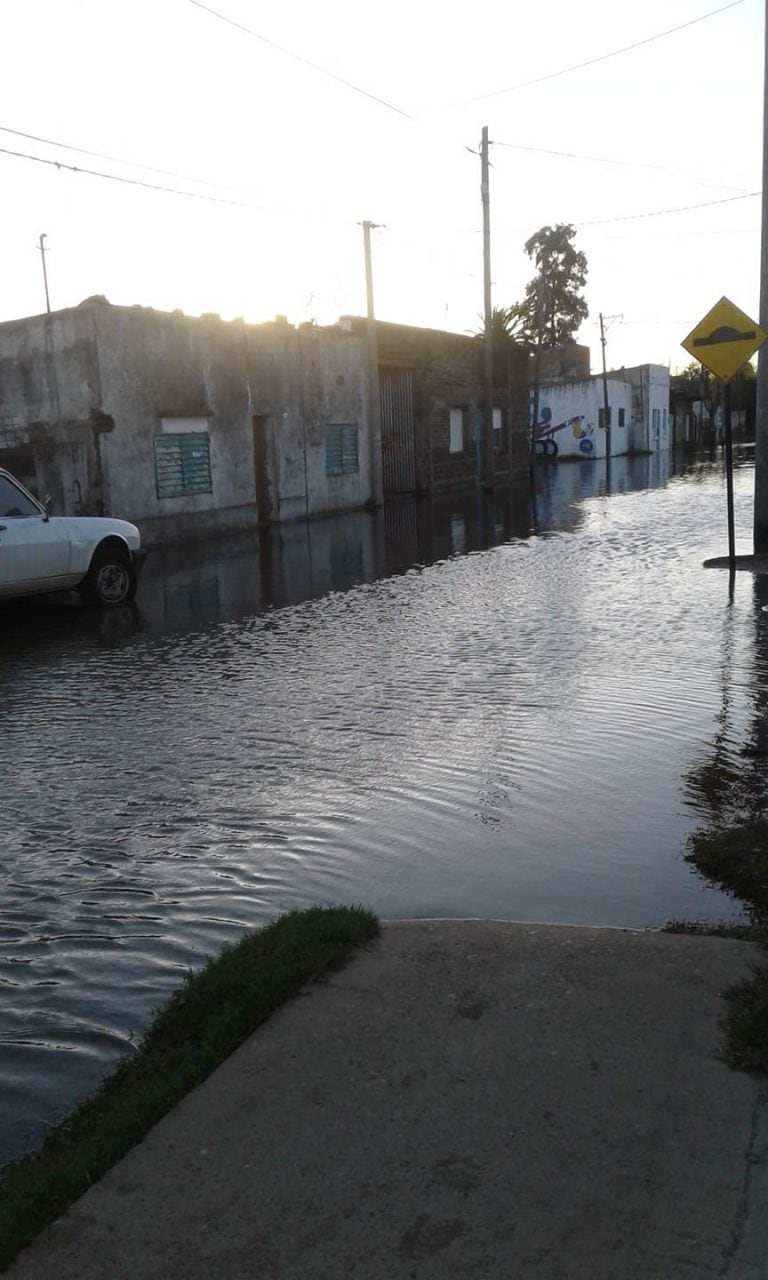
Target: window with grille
341	451
182	463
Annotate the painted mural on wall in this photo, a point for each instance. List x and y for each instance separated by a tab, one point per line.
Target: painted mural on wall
545	431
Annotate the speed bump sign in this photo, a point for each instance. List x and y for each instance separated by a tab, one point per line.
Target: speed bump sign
724	340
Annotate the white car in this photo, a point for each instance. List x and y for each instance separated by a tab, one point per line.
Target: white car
41	552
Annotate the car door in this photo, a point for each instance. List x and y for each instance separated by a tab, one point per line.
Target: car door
34	550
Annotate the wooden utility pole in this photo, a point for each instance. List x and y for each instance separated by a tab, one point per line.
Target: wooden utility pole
487	450
606	406
761	412
43	252
536	369
374	402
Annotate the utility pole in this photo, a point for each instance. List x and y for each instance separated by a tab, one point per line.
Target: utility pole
43	252
536	370
606	406
487	451
374	403
761	389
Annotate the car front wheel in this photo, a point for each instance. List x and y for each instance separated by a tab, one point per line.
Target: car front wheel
111	579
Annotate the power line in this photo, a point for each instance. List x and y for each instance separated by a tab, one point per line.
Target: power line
626	217
658	213
133	182
176	191
602	57
627	164
100	155
306	61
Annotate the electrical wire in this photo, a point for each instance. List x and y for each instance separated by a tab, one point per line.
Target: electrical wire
289	53
625	164
100	155
244	204
176	191
602	57
133	182
658	213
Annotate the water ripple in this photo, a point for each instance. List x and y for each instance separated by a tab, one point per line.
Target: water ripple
518	731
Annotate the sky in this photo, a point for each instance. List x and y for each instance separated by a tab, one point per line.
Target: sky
283	137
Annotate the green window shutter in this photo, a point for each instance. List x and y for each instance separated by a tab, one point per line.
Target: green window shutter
182	464
341	451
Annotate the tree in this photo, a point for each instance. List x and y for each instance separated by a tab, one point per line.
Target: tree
702	385
501	321
502	325
553	307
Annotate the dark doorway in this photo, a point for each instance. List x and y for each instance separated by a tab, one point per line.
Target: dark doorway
397	430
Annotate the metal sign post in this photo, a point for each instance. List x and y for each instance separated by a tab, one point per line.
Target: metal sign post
723	341
729	474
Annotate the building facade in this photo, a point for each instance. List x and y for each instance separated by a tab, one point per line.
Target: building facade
183	424
572	414
432	398
192	425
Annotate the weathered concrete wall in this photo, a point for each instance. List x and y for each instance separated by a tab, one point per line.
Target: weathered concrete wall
52	425
447	373
568	363
158	367
89	390
650	407
331	389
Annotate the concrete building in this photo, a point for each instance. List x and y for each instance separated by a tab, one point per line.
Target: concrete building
431	386
192	425
650	407
571	418
567	363
571	414
185	425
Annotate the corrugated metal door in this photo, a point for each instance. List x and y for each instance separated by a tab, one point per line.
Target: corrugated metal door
397	430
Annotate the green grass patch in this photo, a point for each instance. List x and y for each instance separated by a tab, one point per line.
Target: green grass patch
745	1022
723	929
735	858
202	1023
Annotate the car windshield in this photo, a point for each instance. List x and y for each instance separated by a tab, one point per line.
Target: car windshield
13	502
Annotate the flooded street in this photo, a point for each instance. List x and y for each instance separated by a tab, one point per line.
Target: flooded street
444	710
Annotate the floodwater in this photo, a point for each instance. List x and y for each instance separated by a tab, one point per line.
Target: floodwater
456	708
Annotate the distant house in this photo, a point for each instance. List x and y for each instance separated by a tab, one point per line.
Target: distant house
571	418
697	422
567	363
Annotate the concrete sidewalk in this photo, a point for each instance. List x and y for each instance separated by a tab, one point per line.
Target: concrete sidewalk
465	1099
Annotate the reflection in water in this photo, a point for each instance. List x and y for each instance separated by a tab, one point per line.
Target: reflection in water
728	784
429	710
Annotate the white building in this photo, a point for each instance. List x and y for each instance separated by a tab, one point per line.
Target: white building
571	414
650	407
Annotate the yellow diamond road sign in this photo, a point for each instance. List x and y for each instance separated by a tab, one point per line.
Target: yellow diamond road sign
724	340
